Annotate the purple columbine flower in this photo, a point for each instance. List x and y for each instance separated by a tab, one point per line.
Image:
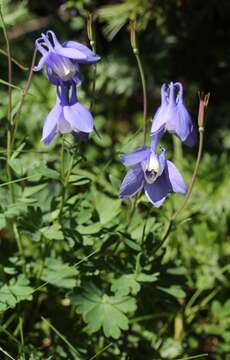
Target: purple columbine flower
173	116
152	172
67	115
62	60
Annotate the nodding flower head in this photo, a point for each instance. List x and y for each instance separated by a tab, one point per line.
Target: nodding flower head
62	60
152	172
67	116
172	115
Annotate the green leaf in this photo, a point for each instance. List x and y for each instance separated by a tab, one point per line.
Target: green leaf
89	229
53	232
17	290
107	207
174	290
2	221
102	311
59	274
130	283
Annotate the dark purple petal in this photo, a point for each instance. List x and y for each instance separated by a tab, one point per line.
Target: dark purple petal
174	178
81	136
132	183
135	157
79	117
158	191
191	140
90	56
50	126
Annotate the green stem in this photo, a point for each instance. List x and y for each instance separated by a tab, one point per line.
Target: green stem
9	116
64	179
24	94
189	192
143	82
194	175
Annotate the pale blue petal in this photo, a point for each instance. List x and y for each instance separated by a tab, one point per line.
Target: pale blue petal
135	157
174	178
70	53
79	117
91	57
50	125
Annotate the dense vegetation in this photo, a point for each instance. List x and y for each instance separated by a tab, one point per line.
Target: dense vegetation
93	280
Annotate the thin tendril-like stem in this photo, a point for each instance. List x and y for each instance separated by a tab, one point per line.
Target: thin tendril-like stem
141	71
92	40
143	82
22	67
9	148
65	179
194	175
9	111
24	94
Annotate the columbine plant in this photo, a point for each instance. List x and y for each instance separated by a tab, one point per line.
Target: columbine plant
151	171
172	115
67	115
62	69
62	60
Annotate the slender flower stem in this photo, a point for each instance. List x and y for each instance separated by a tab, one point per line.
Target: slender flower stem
24	94
64	179
142	75
90	32
194	175
204	99
9	148
9	111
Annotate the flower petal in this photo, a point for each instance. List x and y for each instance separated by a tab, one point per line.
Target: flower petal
79	117
135	157
70	53
64	126
191	140
155	138
41	62
158	191
183	123
50	125
159	119
132	183
90	58
174	178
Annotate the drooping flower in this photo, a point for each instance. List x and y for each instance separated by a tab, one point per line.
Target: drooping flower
151	172
67	116
172	115
62	60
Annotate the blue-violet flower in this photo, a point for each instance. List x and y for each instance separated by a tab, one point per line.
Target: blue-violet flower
62	60
67	115
173	116
152	172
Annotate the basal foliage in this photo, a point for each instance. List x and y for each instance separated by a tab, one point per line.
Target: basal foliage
92	280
